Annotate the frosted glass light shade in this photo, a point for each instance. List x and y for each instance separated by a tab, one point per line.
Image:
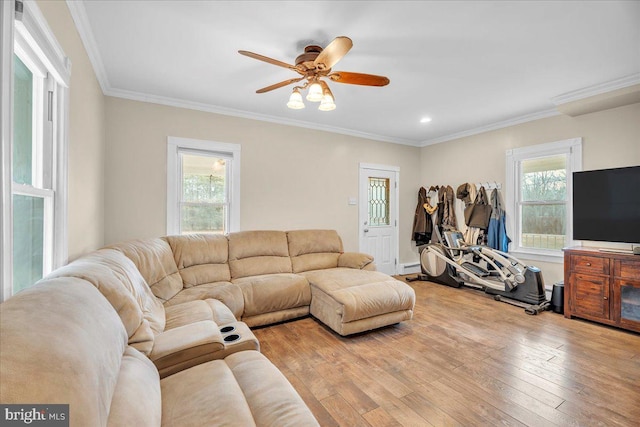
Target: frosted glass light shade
327	103
315	93
295	101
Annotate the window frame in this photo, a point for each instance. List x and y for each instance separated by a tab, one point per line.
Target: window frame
229	151
572	149
31	39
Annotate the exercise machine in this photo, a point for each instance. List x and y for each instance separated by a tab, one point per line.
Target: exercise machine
452	262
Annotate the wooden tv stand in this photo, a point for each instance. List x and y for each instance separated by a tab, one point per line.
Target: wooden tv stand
602	286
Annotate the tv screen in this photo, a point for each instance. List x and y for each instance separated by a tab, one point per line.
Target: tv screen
606	205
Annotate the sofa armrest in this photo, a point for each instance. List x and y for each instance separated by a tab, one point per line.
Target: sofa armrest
185	346
355	260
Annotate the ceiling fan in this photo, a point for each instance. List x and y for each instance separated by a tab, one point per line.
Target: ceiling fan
314	65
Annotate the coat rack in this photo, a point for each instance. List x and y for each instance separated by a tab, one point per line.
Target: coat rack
489	185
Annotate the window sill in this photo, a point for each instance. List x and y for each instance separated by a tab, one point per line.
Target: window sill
551	257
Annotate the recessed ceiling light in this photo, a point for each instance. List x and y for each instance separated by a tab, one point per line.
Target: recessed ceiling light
425	120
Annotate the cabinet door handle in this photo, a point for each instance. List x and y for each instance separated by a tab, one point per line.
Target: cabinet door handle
588	264
606	297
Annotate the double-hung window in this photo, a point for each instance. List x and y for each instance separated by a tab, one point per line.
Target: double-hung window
32	189
34	160
203	186
539	197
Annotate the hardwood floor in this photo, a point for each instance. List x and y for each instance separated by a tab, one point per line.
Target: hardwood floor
463	360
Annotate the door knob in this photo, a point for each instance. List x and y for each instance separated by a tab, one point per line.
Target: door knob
366	230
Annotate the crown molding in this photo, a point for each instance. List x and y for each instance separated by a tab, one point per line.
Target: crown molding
80	18
597	89
209	108
493	126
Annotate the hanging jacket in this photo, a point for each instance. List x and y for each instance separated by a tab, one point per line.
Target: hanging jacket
471	234
446	209
422	225
497	232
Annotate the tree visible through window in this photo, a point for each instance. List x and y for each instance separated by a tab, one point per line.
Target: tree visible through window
203	186
204	205
543	202
539	196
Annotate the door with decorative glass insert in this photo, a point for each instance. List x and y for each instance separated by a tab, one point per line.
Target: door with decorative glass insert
378	216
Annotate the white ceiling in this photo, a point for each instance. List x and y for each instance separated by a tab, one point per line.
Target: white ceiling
470	65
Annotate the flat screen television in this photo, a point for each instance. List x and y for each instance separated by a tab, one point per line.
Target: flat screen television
606	205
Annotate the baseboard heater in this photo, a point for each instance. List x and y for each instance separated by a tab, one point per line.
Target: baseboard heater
410	268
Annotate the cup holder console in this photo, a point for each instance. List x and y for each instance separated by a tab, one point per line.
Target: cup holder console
231	338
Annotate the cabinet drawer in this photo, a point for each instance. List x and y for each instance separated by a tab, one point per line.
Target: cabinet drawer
627	269
590	264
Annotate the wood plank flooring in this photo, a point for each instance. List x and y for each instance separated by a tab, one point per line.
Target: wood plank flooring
463	360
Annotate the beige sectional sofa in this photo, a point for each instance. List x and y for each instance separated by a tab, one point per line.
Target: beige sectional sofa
62	342
185	305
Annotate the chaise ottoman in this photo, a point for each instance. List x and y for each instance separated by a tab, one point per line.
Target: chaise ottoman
351	301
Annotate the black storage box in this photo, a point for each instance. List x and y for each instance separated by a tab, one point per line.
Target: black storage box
557	298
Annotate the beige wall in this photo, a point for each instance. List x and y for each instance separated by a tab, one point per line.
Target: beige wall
291	178
86	136
610	138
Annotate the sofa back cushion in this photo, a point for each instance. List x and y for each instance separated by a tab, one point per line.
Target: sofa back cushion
201	258
314	249
155	261
61	342
252	253
118	279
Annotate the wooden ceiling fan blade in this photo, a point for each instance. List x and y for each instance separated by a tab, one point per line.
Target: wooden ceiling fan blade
278	85
358	79
266	59
334	51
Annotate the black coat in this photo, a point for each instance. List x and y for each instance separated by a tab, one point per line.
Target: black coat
422	225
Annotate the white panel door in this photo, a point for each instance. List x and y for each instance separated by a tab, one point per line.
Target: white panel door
378	215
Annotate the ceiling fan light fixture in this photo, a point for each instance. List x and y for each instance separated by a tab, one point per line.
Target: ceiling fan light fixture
313	66
295	100
327	103
315	92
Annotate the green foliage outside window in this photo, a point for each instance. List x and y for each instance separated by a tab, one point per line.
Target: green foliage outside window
548	187
202	188
204	209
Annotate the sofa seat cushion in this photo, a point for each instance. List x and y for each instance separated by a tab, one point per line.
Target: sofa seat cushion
243	389
195	311
185	346
273	292
351	295
226	292
189	312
